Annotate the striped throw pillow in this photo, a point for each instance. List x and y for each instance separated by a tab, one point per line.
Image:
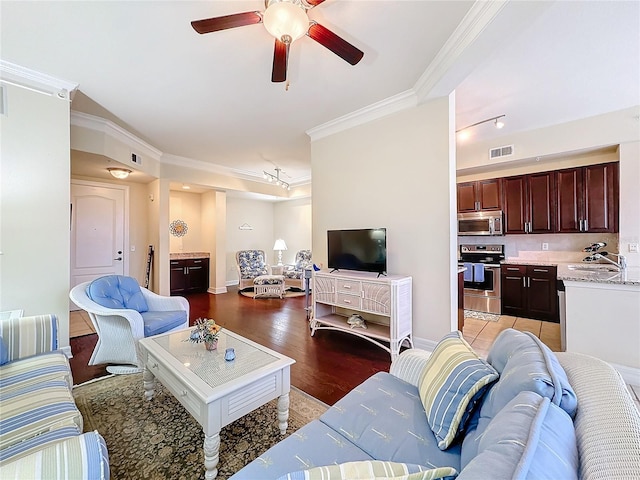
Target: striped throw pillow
451	384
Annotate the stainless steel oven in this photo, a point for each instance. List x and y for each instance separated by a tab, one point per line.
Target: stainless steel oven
482	278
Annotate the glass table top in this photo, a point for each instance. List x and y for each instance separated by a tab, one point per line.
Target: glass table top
210	366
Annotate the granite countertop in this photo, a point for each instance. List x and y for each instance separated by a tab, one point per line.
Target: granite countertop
461	269
630	276
188	255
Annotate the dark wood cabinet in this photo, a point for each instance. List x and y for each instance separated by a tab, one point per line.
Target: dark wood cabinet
529	203
479	195
189	276
587	199
529	291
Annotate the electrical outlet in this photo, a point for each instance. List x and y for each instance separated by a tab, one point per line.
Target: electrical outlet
545	246
133	248
633	247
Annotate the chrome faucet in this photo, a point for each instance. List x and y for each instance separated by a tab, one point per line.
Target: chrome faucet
621	263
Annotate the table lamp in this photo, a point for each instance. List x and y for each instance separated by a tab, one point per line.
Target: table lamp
279	246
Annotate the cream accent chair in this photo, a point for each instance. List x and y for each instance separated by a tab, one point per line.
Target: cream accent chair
122	313
251	264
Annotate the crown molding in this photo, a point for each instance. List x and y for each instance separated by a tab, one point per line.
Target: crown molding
479	16
388	106
14	74
178	161
99	124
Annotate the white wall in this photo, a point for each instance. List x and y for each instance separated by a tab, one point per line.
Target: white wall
34	208
292	223
630	199
289	220
259	215
186	207
395	172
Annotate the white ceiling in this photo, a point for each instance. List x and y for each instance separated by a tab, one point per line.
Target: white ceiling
210	98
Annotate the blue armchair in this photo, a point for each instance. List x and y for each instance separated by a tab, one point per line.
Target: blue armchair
122	312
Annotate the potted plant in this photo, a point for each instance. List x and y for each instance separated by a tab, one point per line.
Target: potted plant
205	331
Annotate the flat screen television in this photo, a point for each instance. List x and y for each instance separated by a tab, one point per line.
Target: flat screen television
363	249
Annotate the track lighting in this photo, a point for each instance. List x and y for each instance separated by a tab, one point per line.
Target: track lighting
276	178
496	121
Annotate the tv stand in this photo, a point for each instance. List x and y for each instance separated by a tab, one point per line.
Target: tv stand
384	304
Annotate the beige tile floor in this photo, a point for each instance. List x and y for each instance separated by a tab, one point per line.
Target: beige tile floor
480	334
79	324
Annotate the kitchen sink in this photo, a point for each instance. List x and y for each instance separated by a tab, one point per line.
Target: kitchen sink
594	268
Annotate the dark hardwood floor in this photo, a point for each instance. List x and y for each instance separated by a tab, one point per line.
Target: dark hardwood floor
327	366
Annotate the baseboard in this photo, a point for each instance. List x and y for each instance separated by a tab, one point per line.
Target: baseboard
217	291
630	375
424	344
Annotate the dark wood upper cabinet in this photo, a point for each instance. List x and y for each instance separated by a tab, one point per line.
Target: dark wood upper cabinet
587	199
601	198
529	203
515	204
480	195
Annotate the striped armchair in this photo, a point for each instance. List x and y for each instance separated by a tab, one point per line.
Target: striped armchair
40	426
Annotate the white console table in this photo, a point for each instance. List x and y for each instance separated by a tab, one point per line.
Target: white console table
384	302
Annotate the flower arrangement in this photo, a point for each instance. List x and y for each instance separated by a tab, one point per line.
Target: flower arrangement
206	330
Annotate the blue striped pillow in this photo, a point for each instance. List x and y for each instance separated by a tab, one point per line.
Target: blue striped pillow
454	379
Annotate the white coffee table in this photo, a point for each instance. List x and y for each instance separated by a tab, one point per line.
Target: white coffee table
216	392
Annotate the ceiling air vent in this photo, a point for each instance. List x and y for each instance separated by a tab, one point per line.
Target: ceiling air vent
501	152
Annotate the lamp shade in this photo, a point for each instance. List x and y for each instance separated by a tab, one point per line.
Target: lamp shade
285	21
279	245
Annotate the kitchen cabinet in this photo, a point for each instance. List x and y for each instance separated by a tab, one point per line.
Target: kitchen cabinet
479	195
529	203
189	276
383	302
530	291
587	199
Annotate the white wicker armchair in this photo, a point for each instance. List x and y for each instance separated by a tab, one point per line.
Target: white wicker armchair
119	329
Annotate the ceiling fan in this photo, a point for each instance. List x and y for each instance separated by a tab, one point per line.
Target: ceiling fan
287	21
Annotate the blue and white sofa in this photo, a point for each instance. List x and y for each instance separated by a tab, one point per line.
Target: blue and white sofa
524	413
40	427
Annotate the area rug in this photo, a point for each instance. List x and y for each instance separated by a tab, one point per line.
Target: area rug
287	294
489	317
159	439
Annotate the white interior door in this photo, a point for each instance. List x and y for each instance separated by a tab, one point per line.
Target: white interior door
97	232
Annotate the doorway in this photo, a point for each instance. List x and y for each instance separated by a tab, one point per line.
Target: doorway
99	231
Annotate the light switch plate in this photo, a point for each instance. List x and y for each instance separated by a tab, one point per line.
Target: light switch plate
633	247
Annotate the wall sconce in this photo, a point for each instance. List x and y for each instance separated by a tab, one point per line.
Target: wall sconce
120	173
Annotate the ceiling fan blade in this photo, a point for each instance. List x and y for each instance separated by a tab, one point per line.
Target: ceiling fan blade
280	60
215	24
333	42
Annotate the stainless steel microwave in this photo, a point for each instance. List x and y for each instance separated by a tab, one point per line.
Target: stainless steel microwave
480	223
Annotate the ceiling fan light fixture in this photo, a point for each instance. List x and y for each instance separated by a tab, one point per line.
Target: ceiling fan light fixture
285	20
120	173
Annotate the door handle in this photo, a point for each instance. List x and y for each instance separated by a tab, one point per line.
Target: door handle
529	282
119	259
524	282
